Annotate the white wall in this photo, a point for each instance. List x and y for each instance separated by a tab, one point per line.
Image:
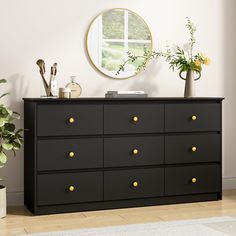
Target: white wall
229	80
55	31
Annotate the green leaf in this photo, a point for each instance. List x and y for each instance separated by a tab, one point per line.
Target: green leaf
16	115
19	131
3	112
9	111
3	81
3	158
9	133
3	95
2	122
16	145
20	141
10	127
7	146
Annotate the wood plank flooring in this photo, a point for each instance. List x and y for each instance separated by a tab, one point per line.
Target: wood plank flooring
20	221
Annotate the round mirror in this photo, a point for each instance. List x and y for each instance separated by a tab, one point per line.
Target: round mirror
111	35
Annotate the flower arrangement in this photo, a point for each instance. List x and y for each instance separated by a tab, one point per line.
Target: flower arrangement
182	59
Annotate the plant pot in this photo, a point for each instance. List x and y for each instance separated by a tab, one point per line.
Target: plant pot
189	90
3	202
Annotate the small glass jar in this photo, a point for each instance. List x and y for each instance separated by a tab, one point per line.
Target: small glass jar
64	92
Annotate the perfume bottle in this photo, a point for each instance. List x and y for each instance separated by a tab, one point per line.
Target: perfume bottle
75	87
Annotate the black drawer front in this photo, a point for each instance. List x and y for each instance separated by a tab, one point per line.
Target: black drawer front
181	117
120	119
70	154
192	179
192	148
121	184
133	151
54	189
55	120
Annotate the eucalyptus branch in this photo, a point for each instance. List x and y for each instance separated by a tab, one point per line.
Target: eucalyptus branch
192	29
147	56
176	58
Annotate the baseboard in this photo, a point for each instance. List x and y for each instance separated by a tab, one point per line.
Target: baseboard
229	183
17	198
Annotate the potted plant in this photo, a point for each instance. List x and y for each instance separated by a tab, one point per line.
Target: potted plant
182	59
11	140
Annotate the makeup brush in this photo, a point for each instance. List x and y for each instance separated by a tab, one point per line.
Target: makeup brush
55	69
53	80
51	77
41	65
53	73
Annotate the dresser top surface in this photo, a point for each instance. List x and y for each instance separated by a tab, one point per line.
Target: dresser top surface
46	99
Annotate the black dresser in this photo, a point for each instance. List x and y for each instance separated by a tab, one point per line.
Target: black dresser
97	153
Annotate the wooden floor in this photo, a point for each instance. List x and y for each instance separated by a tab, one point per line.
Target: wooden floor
19	220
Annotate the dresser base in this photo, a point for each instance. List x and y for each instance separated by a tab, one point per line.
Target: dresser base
52	209
133	149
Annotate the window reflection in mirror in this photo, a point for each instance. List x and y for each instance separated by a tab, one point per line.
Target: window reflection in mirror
111	35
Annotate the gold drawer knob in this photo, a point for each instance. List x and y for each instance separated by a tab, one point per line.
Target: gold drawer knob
194	149
71	154
135	184
71	188
135	119
194	117
194	180
71	120
135	151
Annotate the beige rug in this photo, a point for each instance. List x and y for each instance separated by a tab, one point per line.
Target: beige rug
217	226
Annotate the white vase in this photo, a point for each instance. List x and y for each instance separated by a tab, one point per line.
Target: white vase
3	202
189	90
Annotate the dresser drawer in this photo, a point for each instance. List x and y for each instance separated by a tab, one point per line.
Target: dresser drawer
192	148
137	183
69	188
192	179
133	118
70	154
69	120
192	117
133	151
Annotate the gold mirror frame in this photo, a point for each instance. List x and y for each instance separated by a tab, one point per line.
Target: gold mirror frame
87	42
